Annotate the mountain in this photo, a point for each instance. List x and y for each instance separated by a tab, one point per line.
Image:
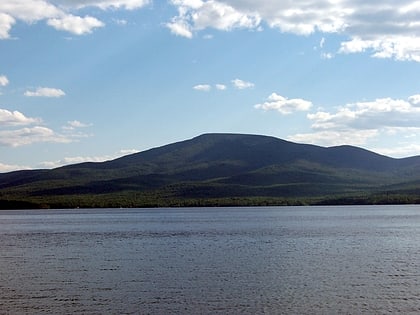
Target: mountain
220	169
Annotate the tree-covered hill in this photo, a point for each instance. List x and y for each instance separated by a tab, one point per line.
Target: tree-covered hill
220	169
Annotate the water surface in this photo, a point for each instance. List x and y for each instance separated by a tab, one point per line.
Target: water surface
297	260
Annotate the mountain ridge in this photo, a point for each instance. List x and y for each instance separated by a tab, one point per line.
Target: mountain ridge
219	168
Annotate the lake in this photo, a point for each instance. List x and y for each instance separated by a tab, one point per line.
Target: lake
276	260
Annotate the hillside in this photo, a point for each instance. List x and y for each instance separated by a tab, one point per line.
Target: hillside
220	169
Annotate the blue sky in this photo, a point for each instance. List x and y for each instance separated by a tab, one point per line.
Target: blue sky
94	80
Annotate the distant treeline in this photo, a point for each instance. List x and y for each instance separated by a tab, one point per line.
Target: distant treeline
107	202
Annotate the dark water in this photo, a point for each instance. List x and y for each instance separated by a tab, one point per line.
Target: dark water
303	260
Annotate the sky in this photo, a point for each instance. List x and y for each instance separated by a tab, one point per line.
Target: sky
92	80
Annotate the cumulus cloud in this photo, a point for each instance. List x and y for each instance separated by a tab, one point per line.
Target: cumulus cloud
45	92
15	118
6	23
220	87
387	29
180	27
60	14
202	87
414	100
3	80
356	123
241	85
75	24
196	15
284	105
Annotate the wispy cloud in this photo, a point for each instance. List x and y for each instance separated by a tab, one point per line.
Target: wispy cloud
241	85
202	87
83	159
30	135
104	4
3	80
45	92
74	124
17	129
208	87
12	167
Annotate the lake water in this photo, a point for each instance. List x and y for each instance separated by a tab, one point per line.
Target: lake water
286	260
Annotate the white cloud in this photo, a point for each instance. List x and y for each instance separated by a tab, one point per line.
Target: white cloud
15	118
75	24
322	42
359	122
6	23
208	87
403	150
129	151
60	14
380	113
3	80
121	22
202	87
75	124
241	85
414	100
82	159
334	137
16	130
30	135
45	92
284	105
104	4
29	10
12	167
221	16
196	15
325	55
387	29
180	27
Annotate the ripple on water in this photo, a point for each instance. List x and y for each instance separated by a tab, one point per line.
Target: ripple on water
211	261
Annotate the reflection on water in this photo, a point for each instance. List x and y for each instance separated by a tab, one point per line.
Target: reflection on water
302	260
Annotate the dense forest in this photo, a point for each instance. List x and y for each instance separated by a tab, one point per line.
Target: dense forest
221	170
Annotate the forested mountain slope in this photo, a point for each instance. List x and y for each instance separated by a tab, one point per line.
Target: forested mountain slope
220	169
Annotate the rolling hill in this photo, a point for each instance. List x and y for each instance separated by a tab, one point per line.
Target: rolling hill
220	169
